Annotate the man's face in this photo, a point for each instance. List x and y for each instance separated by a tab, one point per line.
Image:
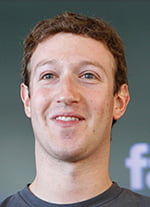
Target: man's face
71	103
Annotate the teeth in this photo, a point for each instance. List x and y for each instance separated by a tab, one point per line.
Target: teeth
68	118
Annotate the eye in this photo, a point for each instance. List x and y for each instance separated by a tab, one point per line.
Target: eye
48	76
91	77
88	76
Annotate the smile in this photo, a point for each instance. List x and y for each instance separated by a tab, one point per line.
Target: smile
67	118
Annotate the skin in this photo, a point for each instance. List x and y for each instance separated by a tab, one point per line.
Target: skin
72	76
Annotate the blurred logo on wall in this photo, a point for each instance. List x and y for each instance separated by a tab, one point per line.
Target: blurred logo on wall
138	163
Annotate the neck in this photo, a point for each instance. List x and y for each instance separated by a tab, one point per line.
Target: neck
80	180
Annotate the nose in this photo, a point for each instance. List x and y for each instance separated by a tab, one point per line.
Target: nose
69	91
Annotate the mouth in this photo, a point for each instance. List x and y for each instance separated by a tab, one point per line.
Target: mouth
68	117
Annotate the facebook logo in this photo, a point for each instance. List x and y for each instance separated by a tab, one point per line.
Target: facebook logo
138	162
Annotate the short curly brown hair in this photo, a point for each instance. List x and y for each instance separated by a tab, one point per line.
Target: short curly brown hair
69	22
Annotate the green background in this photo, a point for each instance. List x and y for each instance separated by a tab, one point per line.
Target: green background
132	20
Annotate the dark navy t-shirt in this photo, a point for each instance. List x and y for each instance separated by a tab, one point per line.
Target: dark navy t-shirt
113	197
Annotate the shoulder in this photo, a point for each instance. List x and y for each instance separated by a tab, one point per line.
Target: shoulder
15	200
124	197
133	197
8	202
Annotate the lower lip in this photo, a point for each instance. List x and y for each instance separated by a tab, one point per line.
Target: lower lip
67	123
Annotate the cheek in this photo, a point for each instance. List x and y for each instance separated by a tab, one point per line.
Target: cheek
39	100
102	107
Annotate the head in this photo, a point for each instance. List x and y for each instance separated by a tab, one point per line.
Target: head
82	88
68	22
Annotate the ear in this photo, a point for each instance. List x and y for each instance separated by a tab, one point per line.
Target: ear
121	101
24	93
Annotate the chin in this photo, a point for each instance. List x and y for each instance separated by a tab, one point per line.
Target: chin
73	156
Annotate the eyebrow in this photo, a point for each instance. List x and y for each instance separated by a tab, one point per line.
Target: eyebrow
81	63
45	62
93	63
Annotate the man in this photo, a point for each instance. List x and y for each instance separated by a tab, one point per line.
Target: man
74	89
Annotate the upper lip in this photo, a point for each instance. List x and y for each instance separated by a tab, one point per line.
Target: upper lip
70	114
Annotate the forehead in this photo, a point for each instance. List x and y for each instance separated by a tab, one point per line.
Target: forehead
72	48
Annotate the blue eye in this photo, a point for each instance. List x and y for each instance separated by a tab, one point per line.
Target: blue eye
49	76
88	76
